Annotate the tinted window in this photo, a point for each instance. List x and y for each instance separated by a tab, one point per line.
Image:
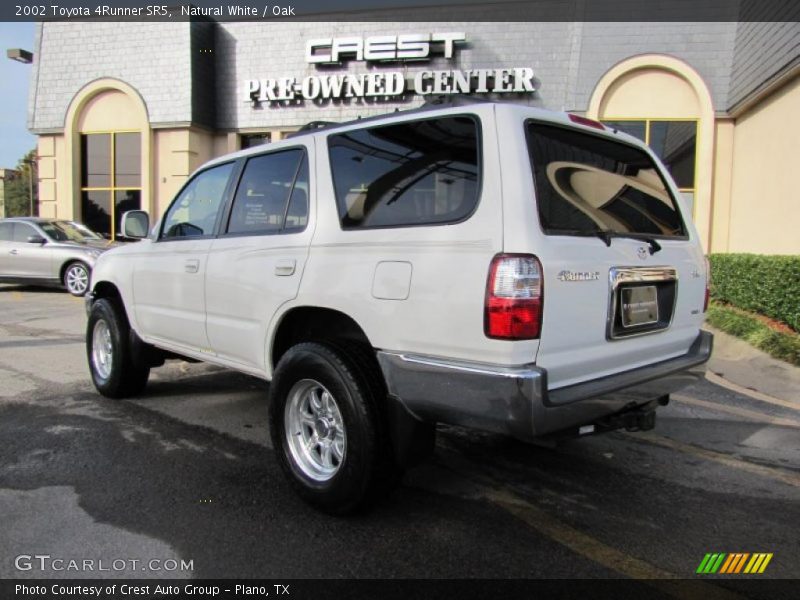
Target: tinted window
194	211
674	143
22	231
272	195
96	163
412	173
585	183
6	232
127	160
97	210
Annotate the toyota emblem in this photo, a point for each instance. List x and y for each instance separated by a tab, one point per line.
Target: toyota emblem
642	252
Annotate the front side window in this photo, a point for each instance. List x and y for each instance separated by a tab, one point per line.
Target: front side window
272	195
194	212
411	173
586	184
111	178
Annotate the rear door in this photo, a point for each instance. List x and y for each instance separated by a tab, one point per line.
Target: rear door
256	263
6	246
28	259
169	276
624	274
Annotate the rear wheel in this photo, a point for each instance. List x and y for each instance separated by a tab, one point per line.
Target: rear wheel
76	278
115	370
328	427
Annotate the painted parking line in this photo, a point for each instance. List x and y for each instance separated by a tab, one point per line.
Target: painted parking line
775	473
581	543
735	410
756	395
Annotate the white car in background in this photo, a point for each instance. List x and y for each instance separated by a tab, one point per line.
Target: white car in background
54	252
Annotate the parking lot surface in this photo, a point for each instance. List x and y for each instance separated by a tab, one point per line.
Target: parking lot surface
186	473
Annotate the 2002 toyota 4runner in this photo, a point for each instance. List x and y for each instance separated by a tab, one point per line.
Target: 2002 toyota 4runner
487	265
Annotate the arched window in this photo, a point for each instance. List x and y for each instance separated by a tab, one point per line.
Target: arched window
109	140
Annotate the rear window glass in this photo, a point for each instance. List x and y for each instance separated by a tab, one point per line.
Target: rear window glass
585	183
412	173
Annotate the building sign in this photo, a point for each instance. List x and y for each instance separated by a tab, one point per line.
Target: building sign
391	84
412	46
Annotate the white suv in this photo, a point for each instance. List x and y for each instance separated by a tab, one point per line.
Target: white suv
487	265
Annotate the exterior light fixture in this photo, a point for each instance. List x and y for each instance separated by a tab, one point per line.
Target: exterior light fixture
20	55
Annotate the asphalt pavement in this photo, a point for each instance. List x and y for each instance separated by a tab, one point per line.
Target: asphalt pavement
182	482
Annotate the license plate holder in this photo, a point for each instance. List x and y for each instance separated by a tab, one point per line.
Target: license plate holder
639	305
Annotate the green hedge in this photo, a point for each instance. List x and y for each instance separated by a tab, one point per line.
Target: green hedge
784	346
769	285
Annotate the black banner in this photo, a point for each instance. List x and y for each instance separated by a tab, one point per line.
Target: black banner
401	10
403	589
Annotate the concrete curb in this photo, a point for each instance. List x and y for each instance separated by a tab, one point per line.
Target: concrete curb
738	362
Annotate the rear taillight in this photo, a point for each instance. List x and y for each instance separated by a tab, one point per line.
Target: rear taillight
586	121
708	285
514	298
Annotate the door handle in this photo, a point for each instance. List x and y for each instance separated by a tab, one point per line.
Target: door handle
192	265
285	267
14	251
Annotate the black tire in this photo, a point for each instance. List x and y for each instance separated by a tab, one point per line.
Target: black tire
367	470
126	375
76	278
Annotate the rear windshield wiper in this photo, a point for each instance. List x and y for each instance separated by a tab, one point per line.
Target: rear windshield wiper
654	245
607	234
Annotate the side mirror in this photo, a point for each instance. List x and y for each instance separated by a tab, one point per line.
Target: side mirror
36	239
135	224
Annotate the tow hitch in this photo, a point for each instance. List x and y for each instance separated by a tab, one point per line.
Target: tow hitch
636	418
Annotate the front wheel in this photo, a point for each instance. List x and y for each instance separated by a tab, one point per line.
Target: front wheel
115	370
328	427
76	278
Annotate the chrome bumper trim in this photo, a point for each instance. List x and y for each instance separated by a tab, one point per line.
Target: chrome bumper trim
515	400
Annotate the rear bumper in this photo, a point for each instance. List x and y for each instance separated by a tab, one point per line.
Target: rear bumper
515	400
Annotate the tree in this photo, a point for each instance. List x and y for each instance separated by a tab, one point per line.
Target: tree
18	188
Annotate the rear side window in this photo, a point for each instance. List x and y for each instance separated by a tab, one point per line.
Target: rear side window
585	183
6	232
412	173
23	231
272	195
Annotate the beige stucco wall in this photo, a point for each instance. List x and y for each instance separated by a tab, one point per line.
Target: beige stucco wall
721	185
53	184
765	197
177	153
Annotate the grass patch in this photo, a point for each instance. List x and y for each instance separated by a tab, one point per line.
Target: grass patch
737	322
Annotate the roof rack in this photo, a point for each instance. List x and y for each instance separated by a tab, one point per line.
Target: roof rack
312	125
434	102
454	100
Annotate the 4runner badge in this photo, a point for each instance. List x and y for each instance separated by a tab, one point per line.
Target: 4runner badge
579	275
